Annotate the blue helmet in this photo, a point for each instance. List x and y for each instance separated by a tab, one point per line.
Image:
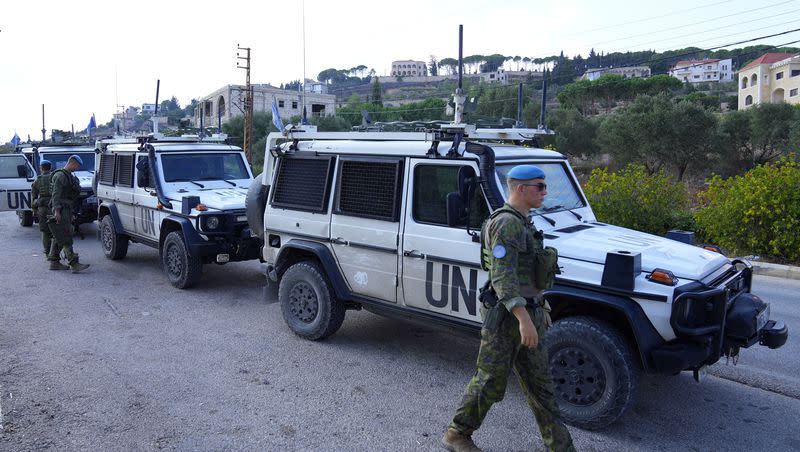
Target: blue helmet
525	172
44	162
77	158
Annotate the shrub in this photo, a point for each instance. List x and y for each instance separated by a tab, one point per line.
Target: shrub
757	213
632	198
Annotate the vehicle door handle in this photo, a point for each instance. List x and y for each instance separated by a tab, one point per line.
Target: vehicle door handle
414	253
339	241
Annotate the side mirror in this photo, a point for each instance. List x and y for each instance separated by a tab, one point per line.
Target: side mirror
24	171
455	210
466	182
143	174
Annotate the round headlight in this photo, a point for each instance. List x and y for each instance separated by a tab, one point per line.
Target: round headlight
212	222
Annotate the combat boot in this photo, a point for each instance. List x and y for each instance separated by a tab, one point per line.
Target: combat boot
57	265
78	267
455	441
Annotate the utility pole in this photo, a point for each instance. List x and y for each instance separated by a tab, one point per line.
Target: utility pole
43	129
248	103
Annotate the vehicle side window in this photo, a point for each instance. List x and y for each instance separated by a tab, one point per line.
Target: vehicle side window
13	167
107	162
370	188
303	183
125	170
432	183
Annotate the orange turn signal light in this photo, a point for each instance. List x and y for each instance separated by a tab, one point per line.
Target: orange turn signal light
713	248
661	276
201	207
159	206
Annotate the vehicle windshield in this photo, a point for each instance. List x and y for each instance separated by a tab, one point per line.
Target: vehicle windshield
9	167
59	159
203	166
561	192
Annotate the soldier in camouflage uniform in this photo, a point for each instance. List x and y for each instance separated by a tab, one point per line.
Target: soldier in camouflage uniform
514	338
65	190
40	194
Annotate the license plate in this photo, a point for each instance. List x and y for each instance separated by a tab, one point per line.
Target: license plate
91	200
222	258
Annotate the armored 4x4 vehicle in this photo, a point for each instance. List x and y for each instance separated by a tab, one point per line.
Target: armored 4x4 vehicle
16	176
388	221
85	208
182	196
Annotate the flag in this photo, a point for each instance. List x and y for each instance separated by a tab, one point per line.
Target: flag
16	140
276	118
92	125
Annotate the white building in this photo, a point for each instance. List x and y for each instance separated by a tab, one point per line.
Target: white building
627	72
498	76
409	68
148	109
703	71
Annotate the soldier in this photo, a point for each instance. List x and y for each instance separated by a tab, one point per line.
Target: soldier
513	327
40	194
65	190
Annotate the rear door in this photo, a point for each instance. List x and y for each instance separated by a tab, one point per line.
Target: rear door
365	224
16	176
441	264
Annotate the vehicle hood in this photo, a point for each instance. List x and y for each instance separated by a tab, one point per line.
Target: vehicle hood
593	242
231	198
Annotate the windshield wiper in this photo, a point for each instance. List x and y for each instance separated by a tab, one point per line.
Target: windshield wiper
226	180
576	214
197	183
549	220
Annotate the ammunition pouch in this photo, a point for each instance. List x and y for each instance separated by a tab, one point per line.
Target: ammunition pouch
545	267
493	311
487	295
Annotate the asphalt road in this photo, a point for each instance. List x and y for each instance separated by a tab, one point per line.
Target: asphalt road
117	359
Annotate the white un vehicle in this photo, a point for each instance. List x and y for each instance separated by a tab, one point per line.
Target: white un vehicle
85	208
16	177
182	196
388	221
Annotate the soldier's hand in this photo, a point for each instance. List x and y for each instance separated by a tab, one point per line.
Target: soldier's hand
529	337
58	216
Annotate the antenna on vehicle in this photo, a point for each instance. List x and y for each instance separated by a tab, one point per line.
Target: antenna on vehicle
155	113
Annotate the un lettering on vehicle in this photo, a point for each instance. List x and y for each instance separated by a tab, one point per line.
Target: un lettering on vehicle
147	221
18	200
456	286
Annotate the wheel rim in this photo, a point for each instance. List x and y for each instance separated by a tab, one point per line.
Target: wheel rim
174	261
578	376
107	238
303	302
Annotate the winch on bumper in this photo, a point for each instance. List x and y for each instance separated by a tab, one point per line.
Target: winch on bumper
224	237
711	322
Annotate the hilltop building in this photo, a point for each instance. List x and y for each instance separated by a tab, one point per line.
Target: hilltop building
770	78
410	68
627	72
703	71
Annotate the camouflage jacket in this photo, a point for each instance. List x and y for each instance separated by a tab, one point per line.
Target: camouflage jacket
65	189
40	190
510	242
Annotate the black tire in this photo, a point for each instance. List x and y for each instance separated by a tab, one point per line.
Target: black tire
115	245
255	202
25	218
308	303
182	269
594	371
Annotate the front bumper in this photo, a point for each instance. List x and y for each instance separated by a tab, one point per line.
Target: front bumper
718	322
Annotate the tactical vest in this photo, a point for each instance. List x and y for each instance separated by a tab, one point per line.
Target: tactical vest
43	184
71	190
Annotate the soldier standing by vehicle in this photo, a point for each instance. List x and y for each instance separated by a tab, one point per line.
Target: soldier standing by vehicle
40	194
65	190
518	265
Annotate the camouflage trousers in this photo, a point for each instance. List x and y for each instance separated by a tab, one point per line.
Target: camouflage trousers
500	352
62	234
48	241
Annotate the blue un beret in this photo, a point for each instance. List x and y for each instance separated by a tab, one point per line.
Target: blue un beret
77	158
525	172
44	162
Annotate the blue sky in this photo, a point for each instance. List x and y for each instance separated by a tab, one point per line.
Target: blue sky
85	57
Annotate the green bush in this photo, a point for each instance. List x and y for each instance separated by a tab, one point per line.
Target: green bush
632	198
757	213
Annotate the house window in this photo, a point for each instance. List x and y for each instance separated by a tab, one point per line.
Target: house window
744	82
748	100
793	92
280	103
753	80
696	76
294	104
779	75
795	72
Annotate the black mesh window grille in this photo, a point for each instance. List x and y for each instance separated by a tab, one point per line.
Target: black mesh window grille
369	189
106	175
303	184
125	170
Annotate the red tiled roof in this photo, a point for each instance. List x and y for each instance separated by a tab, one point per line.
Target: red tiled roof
768	58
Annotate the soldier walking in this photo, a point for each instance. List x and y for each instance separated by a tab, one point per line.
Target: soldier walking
65	190
41	195
514	326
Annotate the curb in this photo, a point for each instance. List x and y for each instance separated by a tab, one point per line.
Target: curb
775	270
